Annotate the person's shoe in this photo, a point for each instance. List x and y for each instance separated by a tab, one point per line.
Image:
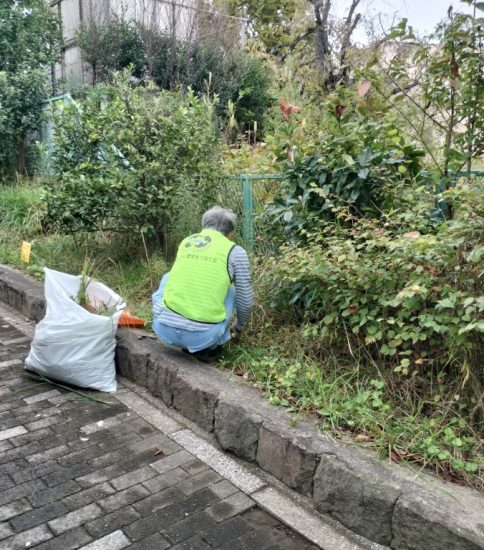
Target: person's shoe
208	355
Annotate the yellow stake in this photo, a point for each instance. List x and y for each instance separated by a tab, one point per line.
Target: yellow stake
25	251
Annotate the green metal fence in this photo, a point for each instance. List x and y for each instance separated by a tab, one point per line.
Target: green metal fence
247	194
46	130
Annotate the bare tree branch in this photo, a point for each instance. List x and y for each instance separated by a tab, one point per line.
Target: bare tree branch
407	88
321	15
404	90
350	26
411	124
332	60
299	38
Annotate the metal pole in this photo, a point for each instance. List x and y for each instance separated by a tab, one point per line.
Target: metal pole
248	230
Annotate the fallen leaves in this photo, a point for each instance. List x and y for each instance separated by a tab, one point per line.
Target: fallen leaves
412	235
395	457
363	437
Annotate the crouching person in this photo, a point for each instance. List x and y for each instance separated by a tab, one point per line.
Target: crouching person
195	302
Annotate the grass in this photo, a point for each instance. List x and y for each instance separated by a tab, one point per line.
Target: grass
400	419
119	262
355	402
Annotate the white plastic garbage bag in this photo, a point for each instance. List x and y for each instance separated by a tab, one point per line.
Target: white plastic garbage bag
71	344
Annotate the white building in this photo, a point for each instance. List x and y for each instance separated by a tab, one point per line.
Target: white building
181	19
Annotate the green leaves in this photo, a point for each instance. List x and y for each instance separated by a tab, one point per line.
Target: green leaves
448	97
240	82
130	159
348	159
112	46
446	302
401	31
363	163
29	35
382	285
29	43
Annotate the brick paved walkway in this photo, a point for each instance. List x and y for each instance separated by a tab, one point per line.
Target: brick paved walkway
76	473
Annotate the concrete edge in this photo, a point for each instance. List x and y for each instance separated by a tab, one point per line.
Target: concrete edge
383	502
21	292
269	494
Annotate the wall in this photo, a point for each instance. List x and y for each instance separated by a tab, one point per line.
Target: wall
178	18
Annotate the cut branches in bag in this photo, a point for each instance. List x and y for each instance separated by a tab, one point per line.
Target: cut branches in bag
75	343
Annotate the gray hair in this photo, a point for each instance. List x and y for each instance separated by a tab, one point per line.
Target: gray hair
220	219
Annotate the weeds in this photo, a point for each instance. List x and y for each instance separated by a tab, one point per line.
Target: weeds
357	407
425	420
84	298
120	262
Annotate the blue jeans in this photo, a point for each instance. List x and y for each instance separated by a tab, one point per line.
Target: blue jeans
194	340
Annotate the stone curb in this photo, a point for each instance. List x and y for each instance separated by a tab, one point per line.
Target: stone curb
389	504
23	293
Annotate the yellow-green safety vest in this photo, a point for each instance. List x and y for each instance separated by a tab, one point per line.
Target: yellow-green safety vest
199	279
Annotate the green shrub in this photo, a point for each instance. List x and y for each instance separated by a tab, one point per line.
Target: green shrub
29	43
363	163
400	297
237	79
187	64
246	85
111	47
385	322
132	159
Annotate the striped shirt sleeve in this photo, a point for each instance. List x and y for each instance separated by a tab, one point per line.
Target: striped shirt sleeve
239	270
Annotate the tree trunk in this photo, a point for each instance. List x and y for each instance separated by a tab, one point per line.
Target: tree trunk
322	47
333	63
21	157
